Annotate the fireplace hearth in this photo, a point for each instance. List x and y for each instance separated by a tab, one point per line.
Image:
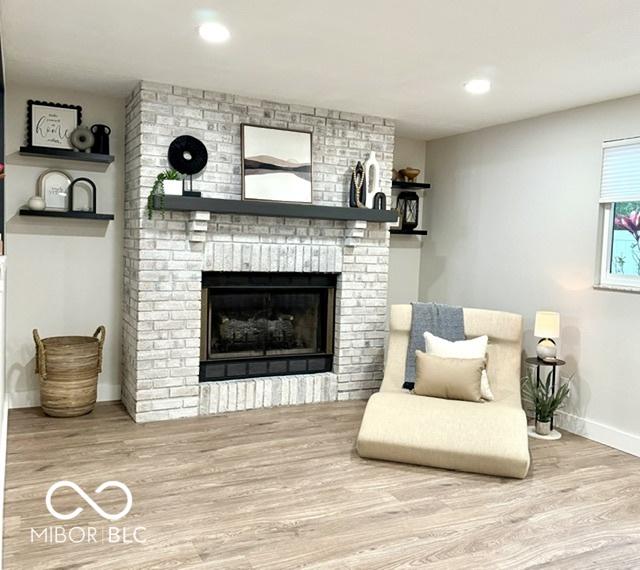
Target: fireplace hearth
266	324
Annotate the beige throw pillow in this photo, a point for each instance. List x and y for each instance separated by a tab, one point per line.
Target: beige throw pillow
472	348
452	378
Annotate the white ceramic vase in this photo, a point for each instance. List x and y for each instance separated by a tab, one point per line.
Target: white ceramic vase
36	203
372	177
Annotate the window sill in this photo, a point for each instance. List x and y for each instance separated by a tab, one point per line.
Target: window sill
619	288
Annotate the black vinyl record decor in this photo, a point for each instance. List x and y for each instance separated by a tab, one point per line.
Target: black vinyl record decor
187	155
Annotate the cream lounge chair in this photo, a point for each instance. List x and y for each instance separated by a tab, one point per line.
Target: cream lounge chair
489	437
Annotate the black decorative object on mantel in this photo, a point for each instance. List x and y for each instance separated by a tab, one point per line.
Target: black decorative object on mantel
408	209
380	201
188	155
100	138
358	187
90	189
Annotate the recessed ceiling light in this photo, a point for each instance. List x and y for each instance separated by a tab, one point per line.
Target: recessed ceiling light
477	86
213	32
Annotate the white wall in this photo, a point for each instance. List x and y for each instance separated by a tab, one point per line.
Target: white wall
64	276
513	225
404	256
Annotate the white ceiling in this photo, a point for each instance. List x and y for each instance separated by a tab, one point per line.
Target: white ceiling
405	59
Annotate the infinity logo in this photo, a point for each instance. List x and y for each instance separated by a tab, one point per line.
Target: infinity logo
73	514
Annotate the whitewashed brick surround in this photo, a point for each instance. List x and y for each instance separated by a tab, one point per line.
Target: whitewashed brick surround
249	394
164	258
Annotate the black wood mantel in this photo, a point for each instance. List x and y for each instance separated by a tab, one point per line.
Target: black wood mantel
274	209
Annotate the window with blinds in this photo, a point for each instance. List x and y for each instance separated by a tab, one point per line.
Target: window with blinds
621	171
620	205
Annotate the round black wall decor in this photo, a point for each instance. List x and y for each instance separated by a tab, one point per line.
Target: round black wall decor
187	155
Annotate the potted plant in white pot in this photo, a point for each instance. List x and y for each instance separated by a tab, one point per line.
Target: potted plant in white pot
167	183
544	401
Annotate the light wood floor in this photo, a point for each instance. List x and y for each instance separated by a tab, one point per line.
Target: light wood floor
283	488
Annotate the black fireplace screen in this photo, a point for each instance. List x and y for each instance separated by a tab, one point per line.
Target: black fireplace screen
255	323
260	324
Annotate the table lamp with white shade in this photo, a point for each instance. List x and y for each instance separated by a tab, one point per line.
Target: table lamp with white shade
546	329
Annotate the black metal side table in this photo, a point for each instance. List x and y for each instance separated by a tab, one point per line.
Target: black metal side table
553	364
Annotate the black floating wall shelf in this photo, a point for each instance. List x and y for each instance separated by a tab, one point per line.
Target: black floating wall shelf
44	152
275	209
62	214
398	232
409	185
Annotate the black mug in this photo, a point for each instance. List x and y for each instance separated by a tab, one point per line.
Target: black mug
101	139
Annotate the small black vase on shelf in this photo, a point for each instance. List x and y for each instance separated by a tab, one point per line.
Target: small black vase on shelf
100	139
380	201
358	187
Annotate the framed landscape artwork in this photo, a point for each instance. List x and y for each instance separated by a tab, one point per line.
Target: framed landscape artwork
276	164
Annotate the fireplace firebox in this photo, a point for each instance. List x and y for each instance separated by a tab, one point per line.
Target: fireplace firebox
266	324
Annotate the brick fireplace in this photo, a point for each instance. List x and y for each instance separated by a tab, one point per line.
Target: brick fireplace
166	259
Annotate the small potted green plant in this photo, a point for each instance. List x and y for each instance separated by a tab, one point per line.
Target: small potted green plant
545	402
167	182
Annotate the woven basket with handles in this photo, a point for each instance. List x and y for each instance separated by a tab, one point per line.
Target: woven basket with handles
69	368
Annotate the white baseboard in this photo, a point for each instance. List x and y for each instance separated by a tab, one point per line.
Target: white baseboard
31	398
607	435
